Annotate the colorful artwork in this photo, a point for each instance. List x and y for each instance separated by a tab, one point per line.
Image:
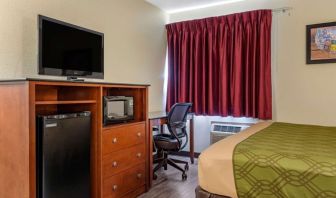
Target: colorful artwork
321	43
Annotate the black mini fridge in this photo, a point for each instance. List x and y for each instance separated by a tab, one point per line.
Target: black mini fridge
63	155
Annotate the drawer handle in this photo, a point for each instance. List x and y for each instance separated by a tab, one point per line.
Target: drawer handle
114	164
114	140
139	155
139	134
115	187
139	176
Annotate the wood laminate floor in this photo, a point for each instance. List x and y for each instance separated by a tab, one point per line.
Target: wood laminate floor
169	183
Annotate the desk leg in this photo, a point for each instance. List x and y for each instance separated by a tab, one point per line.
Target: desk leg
150	153
192	151
162	128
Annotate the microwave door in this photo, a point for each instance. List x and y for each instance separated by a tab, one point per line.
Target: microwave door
116	109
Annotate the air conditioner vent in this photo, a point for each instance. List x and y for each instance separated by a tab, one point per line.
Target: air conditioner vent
233	129
221	130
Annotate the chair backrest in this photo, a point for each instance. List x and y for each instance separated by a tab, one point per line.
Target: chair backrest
177	118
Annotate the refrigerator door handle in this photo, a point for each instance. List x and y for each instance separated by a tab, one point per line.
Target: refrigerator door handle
49	125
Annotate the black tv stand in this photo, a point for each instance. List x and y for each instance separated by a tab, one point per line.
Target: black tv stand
75	79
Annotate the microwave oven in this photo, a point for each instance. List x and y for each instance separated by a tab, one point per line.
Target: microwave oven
118	109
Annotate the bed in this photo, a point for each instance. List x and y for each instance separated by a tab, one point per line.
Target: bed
270	160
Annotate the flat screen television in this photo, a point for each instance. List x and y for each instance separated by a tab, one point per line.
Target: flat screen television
69	50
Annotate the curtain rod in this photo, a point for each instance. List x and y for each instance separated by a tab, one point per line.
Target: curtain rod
282	10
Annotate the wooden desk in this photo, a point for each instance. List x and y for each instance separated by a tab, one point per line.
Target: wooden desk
159	118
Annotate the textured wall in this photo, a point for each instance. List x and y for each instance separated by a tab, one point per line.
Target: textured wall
134	38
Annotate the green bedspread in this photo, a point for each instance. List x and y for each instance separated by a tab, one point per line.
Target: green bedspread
287	160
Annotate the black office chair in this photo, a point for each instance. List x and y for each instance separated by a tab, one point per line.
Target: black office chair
173	142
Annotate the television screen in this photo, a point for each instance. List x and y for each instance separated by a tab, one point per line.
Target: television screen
69	50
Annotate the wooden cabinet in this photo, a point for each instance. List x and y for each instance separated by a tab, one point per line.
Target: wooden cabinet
121	137
123	183
124	159
119	153
116	162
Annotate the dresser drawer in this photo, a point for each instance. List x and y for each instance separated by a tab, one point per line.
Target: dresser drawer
123	183
120	137
118	161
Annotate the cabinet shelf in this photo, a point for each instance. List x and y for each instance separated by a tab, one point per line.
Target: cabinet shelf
130	123
60	102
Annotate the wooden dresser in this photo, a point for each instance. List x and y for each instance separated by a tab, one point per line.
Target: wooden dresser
124	160
119	152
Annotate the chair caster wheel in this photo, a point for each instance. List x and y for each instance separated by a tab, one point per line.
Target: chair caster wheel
184	177
154	176
186	167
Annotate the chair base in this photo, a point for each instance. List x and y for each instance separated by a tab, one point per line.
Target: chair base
163	161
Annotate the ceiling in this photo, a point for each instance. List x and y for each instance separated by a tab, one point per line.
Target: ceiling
174	6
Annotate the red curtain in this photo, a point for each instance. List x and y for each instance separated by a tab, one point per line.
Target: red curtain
222	65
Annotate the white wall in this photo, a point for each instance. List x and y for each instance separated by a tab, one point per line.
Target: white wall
202	128
134	38
302	93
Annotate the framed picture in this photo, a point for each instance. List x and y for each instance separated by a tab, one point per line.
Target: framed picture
321	43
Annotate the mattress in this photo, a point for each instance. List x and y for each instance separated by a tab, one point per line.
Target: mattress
217	160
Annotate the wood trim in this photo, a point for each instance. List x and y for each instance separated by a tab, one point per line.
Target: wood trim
89	84
32	140
72	84
14	141
150	157
96	128
66	102
121	125
148	142
99	144
125	86
57	81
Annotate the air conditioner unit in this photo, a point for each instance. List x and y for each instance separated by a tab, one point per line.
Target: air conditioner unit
221	130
